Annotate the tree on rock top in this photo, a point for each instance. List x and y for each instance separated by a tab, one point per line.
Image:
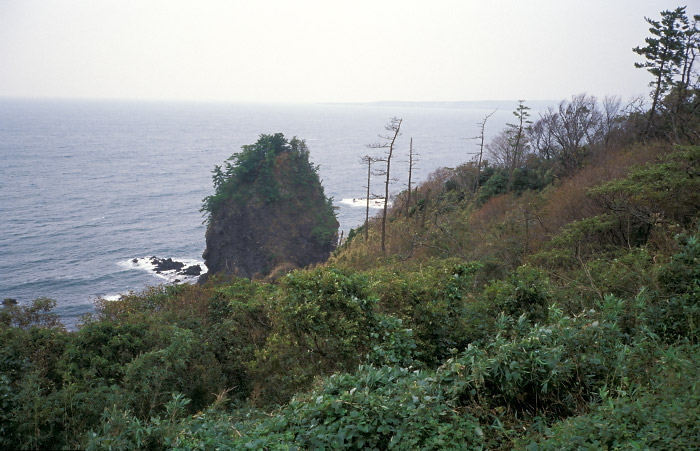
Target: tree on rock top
268	211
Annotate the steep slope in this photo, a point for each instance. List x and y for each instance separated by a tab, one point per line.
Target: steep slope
269	211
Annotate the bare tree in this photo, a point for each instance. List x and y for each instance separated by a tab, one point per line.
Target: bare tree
393	128
691	46
634	112
500	151
579	122
481	137
610	116
411	164
576	125
369	160
542	137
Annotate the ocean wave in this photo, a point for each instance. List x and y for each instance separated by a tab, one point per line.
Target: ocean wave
111	297
178	274
362	202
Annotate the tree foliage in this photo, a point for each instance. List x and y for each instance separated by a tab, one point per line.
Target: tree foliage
252	171
670	53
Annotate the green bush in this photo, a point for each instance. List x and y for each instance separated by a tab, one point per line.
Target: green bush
37	314
553	369
663	415
678	309
253	172
403	357
371	408
437	304
380	408
99	352
525	292
184	365
654	193
323	321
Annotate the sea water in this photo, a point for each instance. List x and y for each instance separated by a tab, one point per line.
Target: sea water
86	187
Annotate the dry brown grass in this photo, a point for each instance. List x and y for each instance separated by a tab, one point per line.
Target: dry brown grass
504	229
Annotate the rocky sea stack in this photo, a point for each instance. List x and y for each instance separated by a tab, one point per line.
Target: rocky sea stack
269	212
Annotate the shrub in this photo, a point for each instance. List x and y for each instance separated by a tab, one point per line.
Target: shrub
664	415
99	352
678	311
38	314
323	320
525	292
655	193
380	408
436	304
554	368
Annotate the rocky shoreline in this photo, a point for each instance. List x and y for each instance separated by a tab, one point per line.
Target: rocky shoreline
170	267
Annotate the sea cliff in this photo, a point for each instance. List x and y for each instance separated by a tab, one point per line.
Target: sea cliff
270	213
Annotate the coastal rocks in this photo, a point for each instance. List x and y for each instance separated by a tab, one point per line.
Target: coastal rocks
194	270
166	265
173	270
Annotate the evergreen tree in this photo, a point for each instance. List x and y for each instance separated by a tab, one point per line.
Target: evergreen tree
665	54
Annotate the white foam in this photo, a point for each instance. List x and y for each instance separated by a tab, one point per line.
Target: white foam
111	297
362	202
170	276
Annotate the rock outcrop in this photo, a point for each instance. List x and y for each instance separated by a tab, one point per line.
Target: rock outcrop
269	212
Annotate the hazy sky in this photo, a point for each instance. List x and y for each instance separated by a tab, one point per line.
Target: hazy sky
323	50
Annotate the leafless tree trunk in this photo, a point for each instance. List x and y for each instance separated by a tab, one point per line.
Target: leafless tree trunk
655	96
367	159
575	126
393	128
542	135
411	165
502	152
425	208
481	137
611	113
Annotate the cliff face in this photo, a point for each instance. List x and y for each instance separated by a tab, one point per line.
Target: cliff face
276	215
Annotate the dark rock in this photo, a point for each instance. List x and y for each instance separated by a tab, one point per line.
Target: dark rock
166	265
9	301
193	270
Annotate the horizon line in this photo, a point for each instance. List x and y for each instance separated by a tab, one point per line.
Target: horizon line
264	102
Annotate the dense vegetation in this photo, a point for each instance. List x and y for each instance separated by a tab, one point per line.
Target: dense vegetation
547	301
252	172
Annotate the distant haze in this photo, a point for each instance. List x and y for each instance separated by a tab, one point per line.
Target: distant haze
323	50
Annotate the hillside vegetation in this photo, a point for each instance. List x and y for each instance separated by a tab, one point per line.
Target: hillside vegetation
546	299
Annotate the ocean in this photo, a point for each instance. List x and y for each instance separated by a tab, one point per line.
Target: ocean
86	187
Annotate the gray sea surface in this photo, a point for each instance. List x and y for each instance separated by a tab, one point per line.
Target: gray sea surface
88	186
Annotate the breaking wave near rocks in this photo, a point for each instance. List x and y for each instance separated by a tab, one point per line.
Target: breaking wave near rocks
169	269
362	202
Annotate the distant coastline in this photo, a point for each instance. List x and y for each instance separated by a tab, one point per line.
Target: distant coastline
538	104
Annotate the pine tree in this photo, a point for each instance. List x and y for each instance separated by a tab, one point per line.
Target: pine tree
664	53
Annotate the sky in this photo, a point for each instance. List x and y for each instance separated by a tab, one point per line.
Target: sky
306	51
